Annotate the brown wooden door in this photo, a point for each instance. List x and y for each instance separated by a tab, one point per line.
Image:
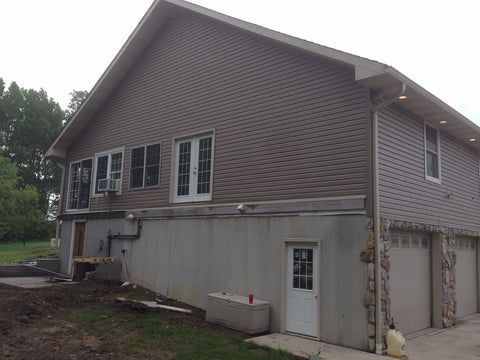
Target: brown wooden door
79	239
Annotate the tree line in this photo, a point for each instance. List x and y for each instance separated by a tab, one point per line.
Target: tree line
29	184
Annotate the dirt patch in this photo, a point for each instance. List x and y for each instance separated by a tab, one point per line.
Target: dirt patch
33	325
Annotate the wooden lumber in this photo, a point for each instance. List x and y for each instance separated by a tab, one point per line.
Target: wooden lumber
153	305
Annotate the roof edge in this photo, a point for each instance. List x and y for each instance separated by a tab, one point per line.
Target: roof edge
153	20
434	99
283	38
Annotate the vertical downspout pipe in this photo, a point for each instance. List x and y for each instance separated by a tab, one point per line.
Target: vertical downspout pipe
59	210
376	222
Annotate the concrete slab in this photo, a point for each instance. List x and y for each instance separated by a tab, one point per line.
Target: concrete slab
305	347
29	282
461	342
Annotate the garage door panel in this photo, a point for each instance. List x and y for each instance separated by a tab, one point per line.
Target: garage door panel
410	282
466	277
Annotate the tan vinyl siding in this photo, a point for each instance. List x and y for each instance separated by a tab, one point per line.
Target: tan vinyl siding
406	195
287	125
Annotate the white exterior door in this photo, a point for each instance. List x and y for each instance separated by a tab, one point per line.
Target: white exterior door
302	292
466	277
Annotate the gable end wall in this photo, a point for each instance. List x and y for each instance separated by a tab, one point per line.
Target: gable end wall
288	125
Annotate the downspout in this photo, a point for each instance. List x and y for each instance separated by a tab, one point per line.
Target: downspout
59	210
376	222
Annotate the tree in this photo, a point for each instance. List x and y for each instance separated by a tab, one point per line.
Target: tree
77	97
29	122
20	217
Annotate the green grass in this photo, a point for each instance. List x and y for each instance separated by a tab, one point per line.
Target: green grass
16	252
158	331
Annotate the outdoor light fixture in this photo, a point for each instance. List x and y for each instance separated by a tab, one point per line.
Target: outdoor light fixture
402	97
241	208
472	139
443	122
130	217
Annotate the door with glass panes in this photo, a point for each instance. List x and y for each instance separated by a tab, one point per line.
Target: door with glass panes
302	292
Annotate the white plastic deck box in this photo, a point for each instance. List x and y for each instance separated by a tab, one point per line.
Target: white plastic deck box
235	312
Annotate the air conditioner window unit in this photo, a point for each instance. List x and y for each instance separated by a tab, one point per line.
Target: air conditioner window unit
108	185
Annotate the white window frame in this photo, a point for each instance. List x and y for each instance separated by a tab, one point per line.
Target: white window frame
192	196
438	153
144	166
109	153
70	185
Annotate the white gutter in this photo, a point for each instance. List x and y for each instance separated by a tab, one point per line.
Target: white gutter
376	222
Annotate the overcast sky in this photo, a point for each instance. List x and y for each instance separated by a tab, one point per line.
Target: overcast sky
61	45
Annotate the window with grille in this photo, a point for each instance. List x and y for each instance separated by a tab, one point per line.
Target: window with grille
79	185
145	166
108	166
432	154
302	269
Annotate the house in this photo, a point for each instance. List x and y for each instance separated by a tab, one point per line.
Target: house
223	156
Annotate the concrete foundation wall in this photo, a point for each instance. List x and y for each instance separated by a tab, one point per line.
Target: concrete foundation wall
187	259
66	244
96	240
190	258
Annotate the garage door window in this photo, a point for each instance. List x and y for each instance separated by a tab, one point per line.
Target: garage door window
465	245
409	242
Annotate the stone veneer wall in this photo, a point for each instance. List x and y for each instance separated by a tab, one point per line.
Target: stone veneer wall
368	255
449	304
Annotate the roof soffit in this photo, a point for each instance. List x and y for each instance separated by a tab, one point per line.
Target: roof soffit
421	103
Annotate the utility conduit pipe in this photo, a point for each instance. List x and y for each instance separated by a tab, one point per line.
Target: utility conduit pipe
376	221
111	236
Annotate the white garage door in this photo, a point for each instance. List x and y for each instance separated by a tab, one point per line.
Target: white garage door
466	277
410	281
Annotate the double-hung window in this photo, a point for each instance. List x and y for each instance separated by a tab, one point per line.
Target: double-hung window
193	168
79	185
108	166
432	154
145	166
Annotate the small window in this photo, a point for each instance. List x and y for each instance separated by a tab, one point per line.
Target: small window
460	245
145	166
415	242
302	269
432	154
395	242
425	243
193	169
79	185
412	242
108	166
